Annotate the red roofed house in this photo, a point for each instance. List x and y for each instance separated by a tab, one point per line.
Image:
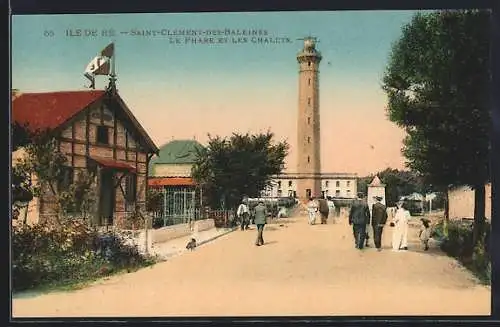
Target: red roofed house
98	132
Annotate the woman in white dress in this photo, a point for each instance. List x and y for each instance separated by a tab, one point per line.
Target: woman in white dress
312	209
400	231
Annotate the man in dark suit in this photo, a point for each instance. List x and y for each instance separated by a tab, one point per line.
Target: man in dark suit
260	214
379	218
359	217
323	210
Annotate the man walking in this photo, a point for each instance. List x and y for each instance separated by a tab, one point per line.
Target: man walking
379	218
323	210
359	217
244	214
260	220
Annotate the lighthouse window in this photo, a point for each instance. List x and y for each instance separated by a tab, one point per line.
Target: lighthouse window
308	101
308	120
308	139
308	159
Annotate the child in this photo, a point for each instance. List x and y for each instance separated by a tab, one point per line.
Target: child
425	233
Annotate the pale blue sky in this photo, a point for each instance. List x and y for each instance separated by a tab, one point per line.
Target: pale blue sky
160	80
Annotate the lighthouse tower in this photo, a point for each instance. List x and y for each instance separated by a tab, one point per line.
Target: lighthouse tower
308	122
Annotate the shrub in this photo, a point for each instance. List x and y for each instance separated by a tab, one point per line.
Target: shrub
459	244
70	252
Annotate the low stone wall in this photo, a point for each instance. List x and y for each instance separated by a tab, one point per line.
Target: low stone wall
202	225
168	233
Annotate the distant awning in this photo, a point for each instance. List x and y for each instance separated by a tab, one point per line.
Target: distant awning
171	181
114	164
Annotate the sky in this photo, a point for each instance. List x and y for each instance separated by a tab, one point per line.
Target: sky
179	89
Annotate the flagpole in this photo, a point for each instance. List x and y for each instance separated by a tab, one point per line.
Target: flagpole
112	75
113	59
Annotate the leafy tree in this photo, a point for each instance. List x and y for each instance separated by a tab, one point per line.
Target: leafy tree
21	183
46	163
437	83
397	183
154	200
230	168
363	183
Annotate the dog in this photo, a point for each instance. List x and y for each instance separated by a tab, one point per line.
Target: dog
191	244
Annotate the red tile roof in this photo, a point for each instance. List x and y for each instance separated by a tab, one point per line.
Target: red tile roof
50	110
171	181
110	163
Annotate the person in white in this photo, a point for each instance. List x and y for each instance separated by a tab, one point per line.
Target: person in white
243	214
400	231
331	208
312	209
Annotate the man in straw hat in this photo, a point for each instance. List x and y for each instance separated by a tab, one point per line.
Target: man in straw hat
379	218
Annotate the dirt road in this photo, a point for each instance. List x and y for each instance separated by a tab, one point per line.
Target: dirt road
301	270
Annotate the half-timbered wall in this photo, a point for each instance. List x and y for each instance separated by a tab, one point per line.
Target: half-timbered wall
79	140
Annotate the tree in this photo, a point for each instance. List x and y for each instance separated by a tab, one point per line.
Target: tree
437	83
21	183
230	168
362	183
43	160
397	183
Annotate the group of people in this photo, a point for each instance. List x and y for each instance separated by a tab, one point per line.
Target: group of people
360	218
322	207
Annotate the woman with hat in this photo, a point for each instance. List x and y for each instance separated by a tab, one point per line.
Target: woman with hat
400	224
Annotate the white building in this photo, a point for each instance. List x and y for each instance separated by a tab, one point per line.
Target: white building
337	185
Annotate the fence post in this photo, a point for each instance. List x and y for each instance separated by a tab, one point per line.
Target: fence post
147	222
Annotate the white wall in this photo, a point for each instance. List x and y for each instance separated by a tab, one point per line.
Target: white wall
346	187
181	170
375	191
461	202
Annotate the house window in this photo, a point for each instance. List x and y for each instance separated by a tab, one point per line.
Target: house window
348	183
348	192
309	63
309	101
337	193
66	178
131	188
308	139
308	120
326	184
337	184
309	81
289	183
279	193
279	184
308	159
102	135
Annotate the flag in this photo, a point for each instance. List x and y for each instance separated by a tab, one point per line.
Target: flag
108	51
98	66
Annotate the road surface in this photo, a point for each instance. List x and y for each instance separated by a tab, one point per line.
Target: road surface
301	270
